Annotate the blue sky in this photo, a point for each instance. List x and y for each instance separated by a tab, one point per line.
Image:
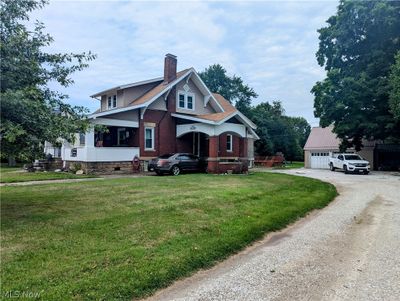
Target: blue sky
270	44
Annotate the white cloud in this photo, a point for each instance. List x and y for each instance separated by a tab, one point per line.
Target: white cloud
271	45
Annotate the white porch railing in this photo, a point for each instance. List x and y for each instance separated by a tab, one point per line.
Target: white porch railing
99	154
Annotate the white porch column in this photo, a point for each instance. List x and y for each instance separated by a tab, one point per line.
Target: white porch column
89	138
89	149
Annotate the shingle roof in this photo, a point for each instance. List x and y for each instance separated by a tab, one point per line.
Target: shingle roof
156	90
322	138
228	108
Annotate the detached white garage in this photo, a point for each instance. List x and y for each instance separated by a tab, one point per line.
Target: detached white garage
320	145
320	159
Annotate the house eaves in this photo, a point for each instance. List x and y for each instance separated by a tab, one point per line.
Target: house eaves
144	82
115	111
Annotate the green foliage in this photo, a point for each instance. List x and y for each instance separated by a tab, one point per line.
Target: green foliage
231	88
279	133
76	242
394	81
31	113
357	49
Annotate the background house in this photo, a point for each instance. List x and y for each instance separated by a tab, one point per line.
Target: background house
322	143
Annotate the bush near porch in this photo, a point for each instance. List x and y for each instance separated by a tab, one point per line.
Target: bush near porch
125	238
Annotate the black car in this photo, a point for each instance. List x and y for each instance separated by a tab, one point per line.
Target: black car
177	163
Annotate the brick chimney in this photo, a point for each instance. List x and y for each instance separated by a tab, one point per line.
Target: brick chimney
170	63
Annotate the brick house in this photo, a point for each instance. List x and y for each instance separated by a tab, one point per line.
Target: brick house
173	113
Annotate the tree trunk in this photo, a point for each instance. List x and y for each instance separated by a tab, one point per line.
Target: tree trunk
11	161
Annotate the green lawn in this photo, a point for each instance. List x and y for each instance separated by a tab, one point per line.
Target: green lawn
125	238
17	174
293	164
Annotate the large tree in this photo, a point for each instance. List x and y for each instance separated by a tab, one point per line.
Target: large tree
31	112
394	81
278	132
357	49
230	87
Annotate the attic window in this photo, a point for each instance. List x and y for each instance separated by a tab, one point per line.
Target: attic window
185	100
112	102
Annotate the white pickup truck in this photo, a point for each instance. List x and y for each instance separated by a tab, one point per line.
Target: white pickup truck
349	163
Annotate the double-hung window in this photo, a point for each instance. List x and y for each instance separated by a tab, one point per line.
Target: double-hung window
181	100
189	102
229	144
112	102
149	138
186	100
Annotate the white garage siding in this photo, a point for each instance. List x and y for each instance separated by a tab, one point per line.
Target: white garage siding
319	159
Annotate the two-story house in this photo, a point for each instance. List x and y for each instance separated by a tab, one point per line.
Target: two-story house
169	114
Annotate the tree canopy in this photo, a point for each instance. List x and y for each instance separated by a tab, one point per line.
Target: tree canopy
31	112
230	87
357	49
394	82
277	132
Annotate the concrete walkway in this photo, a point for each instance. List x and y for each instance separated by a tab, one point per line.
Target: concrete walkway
349	250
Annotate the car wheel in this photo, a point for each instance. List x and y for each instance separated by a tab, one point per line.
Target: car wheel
366	172
175	170
331	167
345	169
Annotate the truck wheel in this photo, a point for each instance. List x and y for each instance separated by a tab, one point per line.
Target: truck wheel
345	169
332	168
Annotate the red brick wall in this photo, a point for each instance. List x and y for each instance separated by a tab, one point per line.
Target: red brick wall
222	146
184	144
164	133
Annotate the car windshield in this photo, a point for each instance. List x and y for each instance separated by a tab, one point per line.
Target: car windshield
165	156
353	157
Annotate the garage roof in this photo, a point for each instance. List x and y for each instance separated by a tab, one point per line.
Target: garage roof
322	139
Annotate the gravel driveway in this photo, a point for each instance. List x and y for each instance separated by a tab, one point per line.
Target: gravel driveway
348	251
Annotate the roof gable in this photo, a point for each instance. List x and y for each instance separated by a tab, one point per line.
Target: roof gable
322	138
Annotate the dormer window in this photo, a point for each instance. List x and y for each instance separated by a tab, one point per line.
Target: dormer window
185	100
112	102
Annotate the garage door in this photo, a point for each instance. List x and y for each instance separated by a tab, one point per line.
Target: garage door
320	160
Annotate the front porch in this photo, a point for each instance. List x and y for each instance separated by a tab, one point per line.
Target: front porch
119	142
224	146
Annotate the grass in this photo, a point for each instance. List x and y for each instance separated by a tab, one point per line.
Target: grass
125	238
293	164
17	174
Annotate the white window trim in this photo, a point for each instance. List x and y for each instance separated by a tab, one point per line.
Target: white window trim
231	143
152	138
111	97
186	94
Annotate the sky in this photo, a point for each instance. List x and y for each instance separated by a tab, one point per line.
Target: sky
271	45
